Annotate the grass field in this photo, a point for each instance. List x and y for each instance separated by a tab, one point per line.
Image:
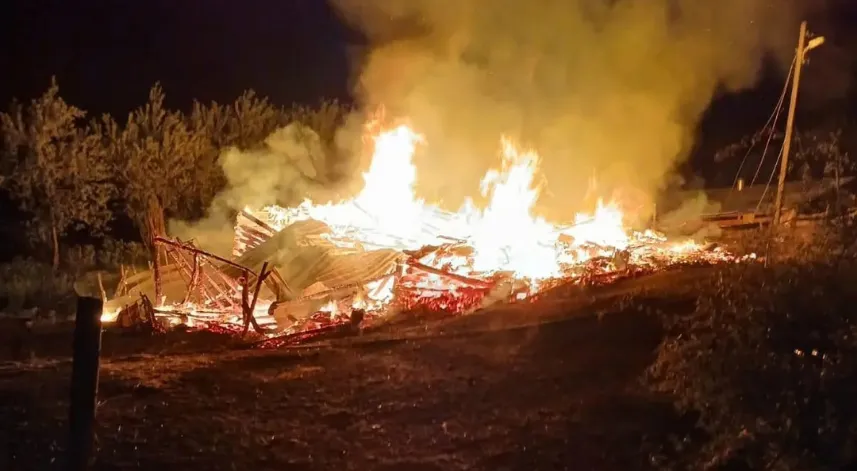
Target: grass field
545	385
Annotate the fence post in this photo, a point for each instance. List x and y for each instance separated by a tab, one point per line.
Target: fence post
84	382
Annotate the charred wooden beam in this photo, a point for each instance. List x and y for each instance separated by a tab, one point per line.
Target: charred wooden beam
192	249
277	284
190	273
249	309
258	221
148	311
186	271
179	262
194	279
254	235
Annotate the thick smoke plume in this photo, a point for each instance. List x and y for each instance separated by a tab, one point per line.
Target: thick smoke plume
607	89
292	165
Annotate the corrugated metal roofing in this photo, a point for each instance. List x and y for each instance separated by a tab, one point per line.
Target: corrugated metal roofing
249	233
302	257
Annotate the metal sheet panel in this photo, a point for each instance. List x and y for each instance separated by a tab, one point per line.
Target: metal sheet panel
303	257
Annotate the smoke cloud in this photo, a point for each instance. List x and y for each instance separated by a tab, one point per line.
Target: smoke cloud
607	89
294	164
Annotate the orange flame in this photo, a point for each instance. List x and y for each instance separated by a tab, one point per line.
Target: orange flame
505	235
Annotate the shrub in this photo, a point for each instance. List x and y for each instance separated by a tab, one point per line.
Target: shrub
109	256
26	283
114	253
767	361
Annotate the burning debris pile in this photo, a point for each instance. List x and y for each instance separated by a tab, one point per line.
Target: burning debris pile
312	267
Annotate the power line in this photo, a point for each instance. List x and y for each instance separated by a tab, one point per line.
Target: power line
780	154
770	179
767	144
774	117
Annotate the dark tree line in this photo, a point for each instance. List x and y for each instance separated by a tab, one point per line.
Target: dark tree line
821	152
70	171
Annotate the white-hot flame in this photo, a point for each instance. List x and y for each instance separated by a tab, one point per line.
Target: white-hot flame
506	236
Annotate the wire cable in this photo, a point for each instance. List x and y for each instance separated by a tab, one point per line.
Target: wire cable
774	117
770	179
765	150
779	156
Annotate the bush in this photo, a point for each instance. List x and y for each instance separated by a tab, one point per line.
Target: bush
109	256
114	253
26	283
767	362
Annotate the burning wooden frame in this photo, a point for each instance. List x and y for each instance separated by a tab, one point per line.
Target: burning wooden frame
292	282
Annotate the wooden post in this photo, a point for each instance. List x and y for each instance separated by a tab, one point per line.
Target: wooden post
84	382
787	139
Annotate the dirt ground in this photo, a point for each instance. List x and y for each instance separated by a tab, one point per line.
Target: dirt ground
545	385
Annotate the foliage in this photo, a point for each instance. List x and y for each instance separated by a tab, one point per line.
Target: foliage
324	119
113	253
55	168
767	361
157	161
824	153
110	255
249	121
745	145
25	283
817	153
69	174
169	162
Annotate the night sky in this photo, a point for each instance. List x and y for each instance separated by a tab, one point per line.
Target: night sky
107	53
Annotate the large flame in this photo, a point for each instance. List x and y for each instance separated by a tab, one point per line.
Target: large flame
502	239
504	236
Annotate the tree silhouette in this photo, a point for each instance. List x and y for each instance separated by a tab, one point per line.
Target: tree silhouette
157	157
250	120
54	168
64	172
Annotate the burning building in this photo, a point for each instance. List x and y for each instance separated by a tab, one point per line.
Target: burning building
299	268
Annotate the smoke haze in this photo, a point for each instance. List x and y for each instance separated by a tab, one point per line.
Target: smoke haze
609	92
606	89
293	165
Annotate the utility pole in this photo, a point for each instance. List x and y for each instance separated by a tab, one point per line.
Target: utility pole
802	48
